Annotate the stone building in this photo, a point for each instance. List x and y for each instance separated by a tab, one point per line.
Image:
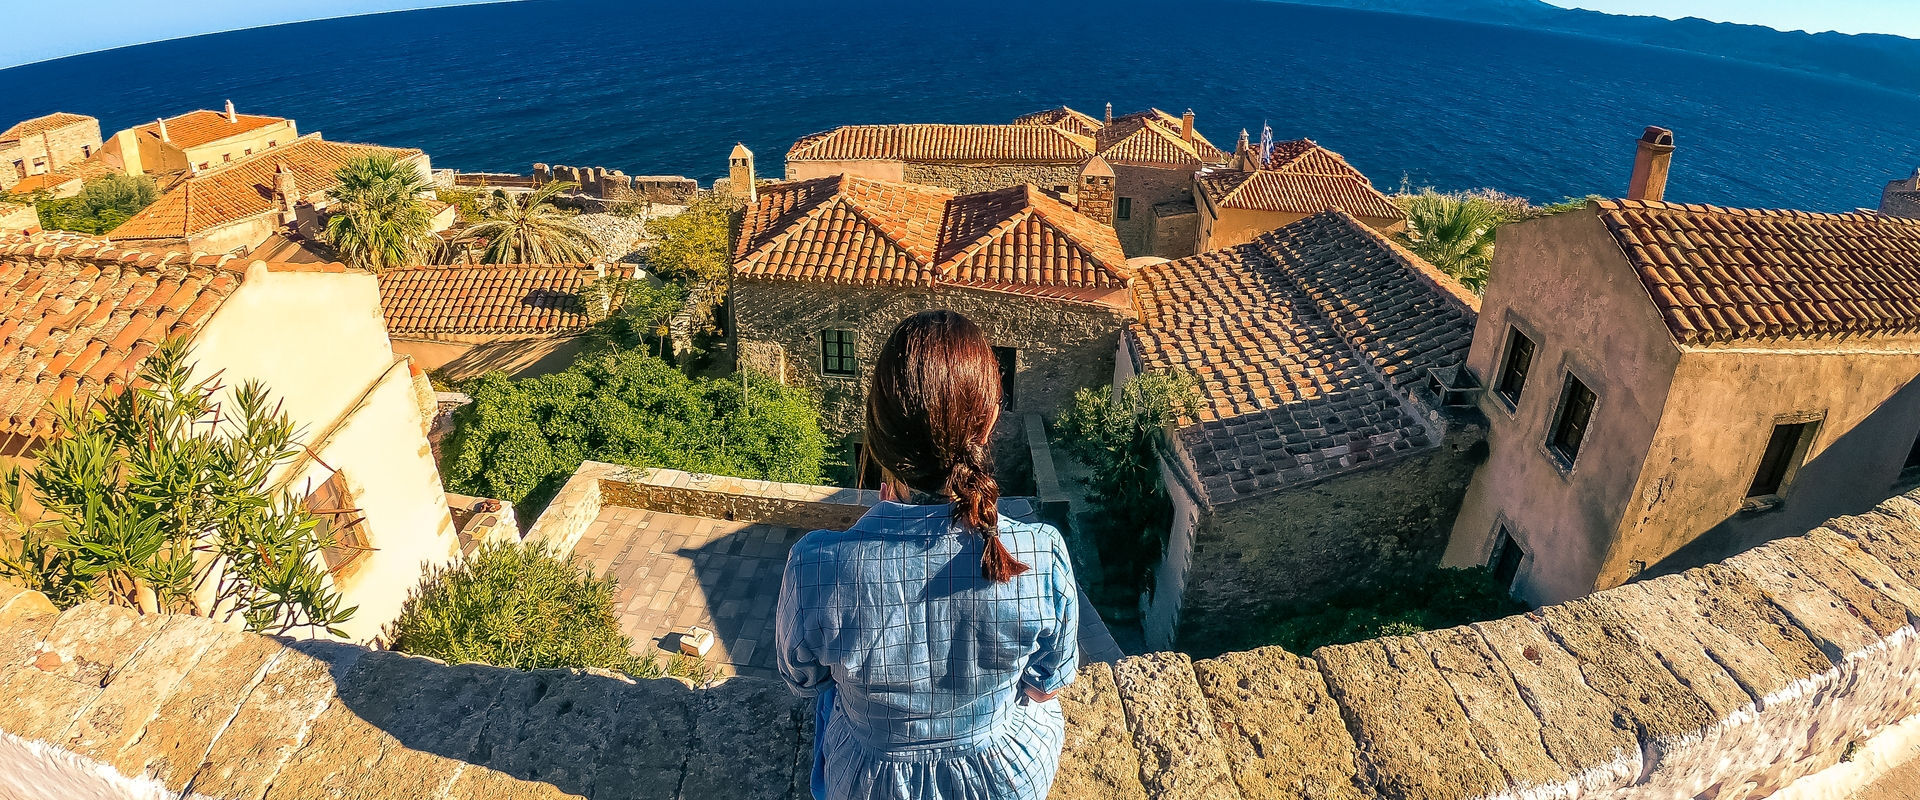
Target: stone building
1668	384
1297	180
1901	198
46	144
80	316
197	141
243	203
1319	455
1153	155
522	319
825	268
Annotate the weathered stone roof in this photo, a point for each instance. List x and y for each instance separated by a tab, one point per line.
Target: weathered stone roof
1727	681
429	301
1306	343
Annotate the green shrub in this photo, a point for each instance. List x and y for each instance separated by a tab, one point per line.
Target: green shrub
1118	439
520	605
102	204
696	245
519	440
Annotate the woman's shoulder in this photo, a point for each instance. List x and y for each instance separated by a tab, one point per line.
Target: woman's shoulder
1031	538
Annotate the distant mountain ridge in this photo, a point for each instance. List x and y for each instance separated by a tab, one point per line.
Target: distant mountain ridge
1882	59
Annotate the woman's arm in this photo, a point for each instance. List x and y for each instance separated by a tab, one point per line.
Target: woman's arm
1058	654
795	656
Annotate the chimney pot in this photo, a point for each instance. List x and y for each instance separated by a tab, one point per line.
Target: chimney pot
1186	126
1653	157
1109	113
230	115
163	130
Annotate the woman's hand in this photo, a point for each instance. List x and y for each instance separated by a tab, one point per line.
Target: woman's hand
1036	695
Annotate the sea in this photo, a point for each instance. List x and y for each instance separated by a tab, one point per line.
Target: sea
668	88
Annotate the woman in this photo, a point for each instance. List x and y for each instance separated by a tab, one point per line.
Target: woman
934	633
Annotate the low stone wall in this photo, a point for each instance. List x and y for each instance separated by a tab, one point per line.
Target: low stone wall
1730	681
598	484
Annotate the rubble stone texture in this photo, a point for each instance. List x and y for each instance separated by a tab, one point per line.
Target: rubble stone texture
1730	681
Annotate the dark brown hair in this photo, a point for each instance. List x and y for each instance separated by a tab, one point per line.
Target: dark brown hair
930	410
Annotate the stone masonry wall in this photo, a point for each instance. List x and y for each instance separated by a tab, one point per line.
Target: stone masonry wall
966	179
1062	346
1301	545
1729	681
1148	187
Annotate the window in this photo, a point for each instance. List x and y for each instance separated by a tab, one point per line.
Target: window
1506	557
226	158
836	354
20	167
1785	448
86	150
1570	424
1009	359
204	165
272	143
249	151
1513	374
337	517
1123	208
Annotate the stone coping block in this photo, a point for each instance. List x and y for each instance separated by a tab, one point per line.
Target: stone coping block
1729	681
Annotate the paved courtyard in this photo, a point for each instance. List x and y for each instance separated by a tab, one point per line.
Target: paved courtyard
677	571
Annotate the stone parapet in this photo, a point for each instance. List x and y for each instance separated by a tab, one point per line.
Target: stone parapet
1730	681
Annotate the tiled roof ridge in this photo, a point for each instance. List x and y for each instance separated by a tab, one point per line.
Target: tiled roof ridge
60	119
1037	205
1440	281
43	246
1624	204
773	239
279	154
884	223
812	141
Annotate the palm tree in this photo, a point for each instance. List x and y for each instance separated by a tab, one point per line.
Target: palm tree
380	217
1454	232
530	231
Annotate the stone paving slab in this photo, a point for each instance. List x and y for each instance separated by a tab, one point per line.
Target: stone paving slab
1282	732
68	669
1497	715
118	715
1836	629
1180	753
551	728
746	736
648	751
1417	739
1097	758
276	717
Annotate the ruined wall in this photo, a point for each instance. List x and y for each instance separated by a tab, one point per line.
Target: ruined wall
1730	682
612	184
1063	346
1301	545
969	178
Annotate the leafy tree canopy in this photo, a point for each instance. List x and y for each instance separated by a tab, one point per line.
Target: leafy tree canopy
1117	435
696	245
379	219
102	204
520	439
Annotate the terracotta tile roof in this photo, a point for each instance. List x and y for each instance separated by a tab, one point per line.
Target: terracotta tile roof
1299	193
1306	155
1064	118
1142	140
1723	274
81	314
944	143
431	301
196	128
34	183
1306	343
243	189
849	230
56	120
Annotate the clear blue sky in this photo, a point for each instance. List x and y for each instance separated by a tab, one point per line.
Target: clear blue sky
1846	16
54	28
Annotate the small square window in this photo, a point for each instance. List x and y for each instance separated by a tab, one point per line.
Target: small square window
204	165
837	355
1513	374
1785	448
1123	208
272	143
1570	424
226	158
86	150
1009	359
249	151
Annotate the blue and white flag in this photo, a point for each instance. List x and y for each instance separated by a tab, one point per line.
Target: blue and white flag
1266	142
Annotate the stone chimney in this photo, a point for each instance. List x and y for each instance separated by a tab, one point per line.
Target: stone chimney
1094	197
163	130
740	176
1186	126
230	115
1243	144
286	193
1109	113
1652	159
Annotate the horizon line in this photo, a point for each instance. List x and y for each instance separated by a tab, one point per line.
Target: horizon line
457	4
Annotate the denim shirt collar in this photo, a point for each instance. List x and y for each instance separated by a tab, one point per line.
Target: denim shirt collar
888	516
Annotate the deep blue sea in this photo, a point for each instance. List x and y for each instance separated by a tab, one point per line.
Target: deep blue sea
655	87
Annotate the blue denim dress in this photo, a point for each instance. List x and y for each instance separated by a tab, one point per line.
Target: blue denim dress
916	660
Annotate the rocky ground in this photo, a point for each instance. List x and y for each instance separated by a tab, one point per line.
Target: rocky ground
621	237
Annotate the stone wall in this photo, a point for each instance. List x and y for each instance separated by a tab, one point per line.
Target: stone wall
49	151
1730	681
612	184
1063	346
1148	187
969	178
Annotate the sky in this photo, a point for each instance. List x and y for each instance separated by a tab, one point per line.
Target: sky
1900	17
60	29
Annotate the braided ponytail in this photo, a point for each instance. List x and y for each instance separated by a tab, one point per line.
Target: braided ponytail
976	499
930	411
